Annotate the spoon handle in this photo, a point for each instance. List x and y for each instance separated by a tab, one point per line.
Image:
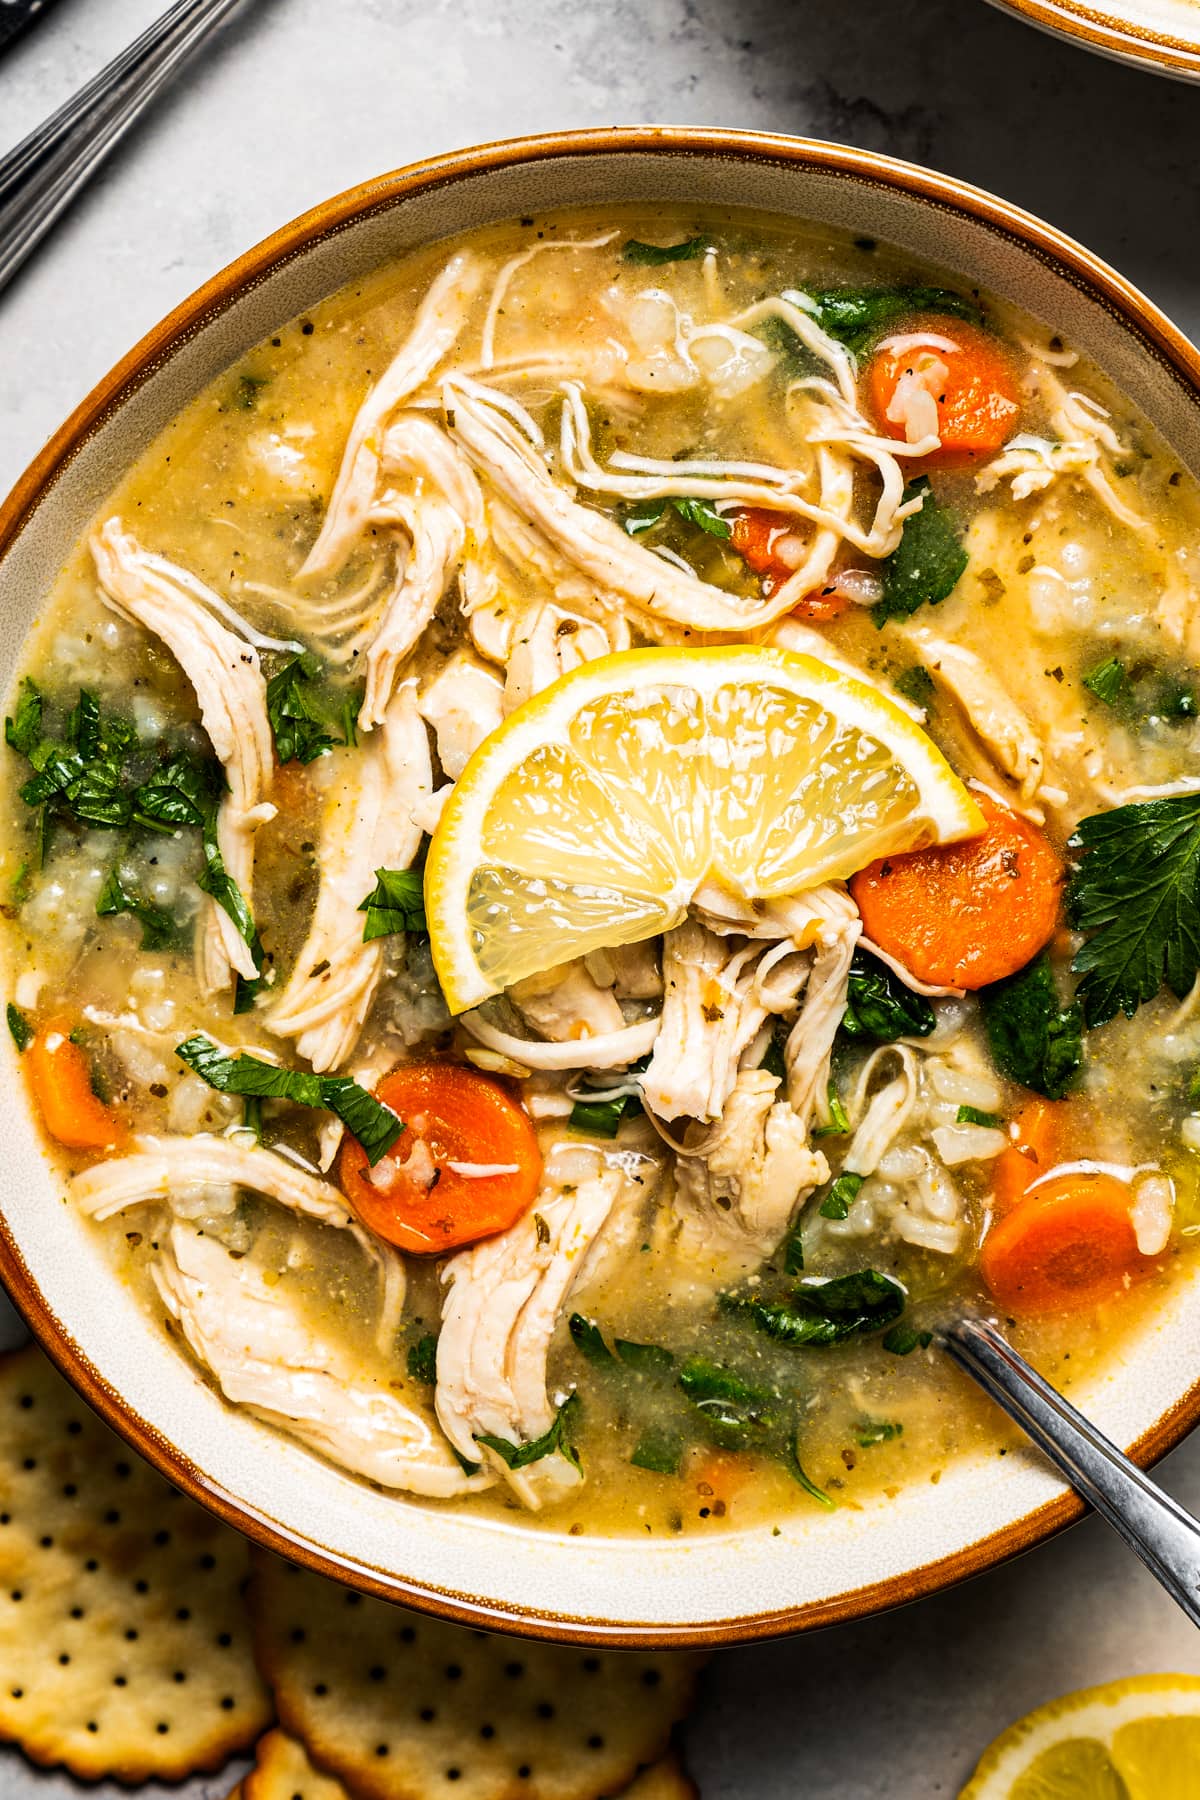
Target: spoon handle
43	173
1154	1526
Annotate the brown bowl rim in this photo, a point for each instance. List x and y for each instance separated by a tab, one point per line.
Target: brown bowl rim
1087	273
1135	45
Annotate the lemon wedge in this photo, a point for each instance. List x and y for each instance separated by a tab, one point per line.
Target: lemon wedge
1137	1739
599	807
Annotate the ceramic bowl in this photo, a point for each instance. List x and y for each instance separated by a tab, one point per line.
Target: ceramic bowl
1161	35
818	1568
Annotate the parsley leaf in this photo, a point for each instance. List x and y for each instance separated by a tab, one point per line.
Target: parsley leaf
701	513
297	713
395	903
1033	1038
971	1115
22	1031
652	256
926	564
868	1432
602	1118
374	1125
915	684
1136	893
23	730
842	1194
902	1340
160	929
422	1360
588	1339
659	1451
879	1007
519	1456
1109	681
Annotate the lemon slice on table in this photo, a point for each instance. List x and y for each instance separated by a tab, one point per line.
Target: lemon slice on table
593	814
1137	1739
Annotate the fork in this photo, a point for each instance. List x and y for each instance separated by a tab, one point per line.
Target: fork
42	175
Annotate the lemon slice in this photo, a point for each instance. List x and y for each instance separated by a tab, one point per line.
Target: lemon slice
1137	1739
600	806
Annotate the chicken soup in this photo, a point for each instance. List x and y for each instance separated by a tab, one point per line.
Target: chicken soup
603	833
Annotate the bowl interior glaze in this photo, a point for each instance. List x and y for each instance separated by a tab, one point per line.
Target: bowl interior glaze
818	1568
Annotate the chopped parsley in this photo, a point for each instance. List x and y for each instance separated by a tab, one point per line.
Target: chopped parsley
820	1313
915	684
701	513
902	1340
879	1007
842	1193
422	1360
300	711
519	1456
395	903
160	929
22	1031
868	1432
972	1115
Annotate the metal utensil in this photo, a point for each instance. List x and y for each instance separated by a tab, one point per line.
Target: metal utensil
15	15
42	175
1155	1527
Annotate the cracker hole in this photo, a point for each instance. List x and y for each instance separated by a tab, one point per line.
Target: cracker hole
76	1612
91	1565
162	1728
595	1742
122	1471
183	1612
591	1665
453	1774
17	1693
112	1516
298	1635
92	1726
47	1543
26	1401
162	1537
514	1670
382	1749
545	1710
141	1587
651	1677
524	1772
224	1639
407	1635
16	1594
207	1561
63	1659
453	1672
427	1715
378	1673
5	1518
30	1462
70	1490
74	1428
227	1702
320	1690
131	1634
487	1731
180	1675
120	1681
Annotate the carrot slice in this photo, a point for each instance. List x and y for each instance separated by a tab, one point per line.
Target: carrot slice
719	1474
968	372
413	1197
964	915
62	1086
1069	1243
769	544
1031	1153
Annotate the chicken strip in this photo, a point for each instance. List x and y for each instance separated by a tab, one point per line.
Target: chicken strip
503	1298
367	825
266	1358
594	543
736	1200
439	322
714	1001
437	538
810	1041
566	1003
990	712
548	643
159	1169
464	704
232	696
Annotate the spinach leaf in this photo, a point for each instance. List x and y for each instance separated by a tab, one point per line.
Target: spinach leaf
652	256
793	1251
902	1340
374	1125
1141	692
422	1360
647	1359
519	1456
971	1115
857	316
602	1118
659	1451
839	1123
24	729
297	713
842	1194
395	903
183	791
729	1404
701	513
1032	1037
774	1062
879	1008
1109	682
926	564
868	1432
1136	893
160	929
22	1031
796	1470
588	1339
916	684
820	1313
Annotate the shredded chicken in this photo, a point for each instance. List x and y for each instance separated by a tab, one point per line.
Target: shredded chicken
267	1358
548	643
367	825
503	1299
810	1041
232	696
464	704
439	323
566	1003
159	1169
991	714
736	1200
714	1002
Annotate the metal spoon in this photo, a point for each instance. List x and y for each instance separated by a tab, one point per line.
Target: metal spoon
1155	1527
42	175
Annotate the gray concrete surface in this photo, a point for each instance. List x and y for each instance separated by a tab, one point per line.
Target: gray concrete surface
303	97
